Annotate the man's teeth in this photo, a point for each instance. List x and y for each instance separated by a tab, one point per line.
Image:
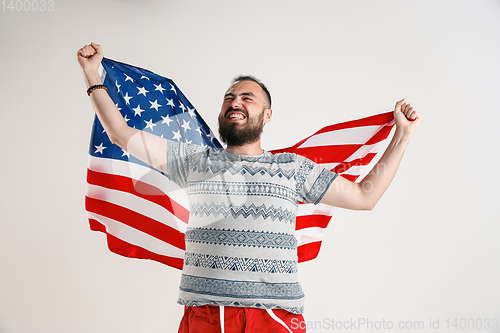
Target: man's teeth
236	116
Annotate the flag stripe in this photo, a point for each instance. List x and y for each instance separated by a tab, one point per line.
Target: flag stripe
364	150
123	248
309	235
323	154
135	220
137	204
134	236
317	220
378	119
141	173
311	209
381	135
139	189
349	136
352	178
343	167
309	251
385	119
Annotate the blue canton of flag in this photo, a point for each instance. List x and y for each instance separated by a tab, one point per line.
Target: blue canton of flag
151	103
143	214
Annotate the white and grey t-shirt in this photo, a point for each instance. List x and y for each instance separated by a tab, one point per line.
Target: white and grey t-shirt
240	243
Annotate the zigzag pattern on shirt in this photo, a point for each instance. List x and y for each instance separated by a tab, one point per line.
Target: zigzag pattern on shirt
226	263
266	158
262	189
244	238
244	211
296	310
242	169
240	289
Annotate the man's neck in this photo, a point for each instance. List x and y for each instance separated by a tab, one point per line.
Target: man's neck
247	149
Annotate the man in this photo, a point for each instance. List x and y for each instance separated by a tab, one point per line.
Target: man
240	265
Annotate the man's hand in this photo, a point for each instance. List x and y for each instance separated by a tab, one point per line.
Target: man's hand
90	56
406	117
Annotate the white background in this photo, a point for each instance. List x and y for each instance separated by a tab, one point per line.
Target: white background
430	250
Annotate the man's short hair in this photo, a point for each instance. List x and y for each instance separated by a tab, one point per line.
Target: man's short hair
262	85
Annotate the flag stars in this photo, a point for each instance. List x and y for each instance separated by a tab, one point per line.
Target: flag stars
177	135
136	117
191	112
211	136
159	87
154	105
138	110
166	120
185	125
149	124
100	148
127	99
182	107
142	90
128	78
170	102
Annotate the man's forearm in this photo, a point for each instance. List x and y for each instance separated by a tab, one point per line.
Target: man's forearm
91	77
377	181
111	119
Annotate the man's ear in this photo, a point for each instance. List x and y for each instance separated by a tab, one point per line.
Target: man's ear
268	115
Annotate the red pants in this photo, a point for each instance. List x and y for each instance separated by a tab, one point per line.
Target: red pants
207	319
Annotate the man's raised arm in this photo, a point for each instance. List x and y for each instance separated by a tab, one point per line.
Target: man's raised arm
147	147
365	195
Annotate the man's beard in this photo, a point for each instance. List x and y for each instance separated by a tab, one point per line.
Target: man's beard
234	136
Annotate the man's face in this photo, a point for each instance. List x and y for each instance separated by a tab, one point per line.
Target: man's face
243	114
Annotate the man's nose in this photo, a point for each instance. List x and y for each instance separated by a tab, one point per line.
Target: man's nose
236	103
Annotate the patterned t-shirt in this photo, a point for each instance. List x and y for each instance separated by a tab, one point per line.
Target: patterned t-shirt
240	243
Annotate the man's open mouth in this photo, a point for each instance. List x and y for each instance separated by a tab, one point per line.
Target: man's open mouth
235	115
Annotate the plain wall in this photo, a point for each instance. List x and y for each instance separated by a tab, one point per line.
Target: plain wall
429	251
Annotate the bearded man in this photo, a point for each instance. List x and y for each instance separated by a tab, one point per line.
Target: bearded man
240	265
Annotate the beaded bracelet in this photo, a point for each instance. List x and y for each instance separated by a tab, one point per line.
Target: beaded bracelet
97	86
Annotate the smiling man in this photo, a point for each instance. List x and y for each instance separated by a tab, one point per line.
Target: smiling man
240	269
245	111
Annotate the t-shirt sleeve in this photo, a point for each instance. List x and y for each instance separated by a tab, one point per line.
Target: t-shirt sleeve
180	156
312	180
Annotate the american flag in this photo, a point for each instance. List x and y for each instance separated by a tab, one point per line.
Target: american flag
145	216
350	149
